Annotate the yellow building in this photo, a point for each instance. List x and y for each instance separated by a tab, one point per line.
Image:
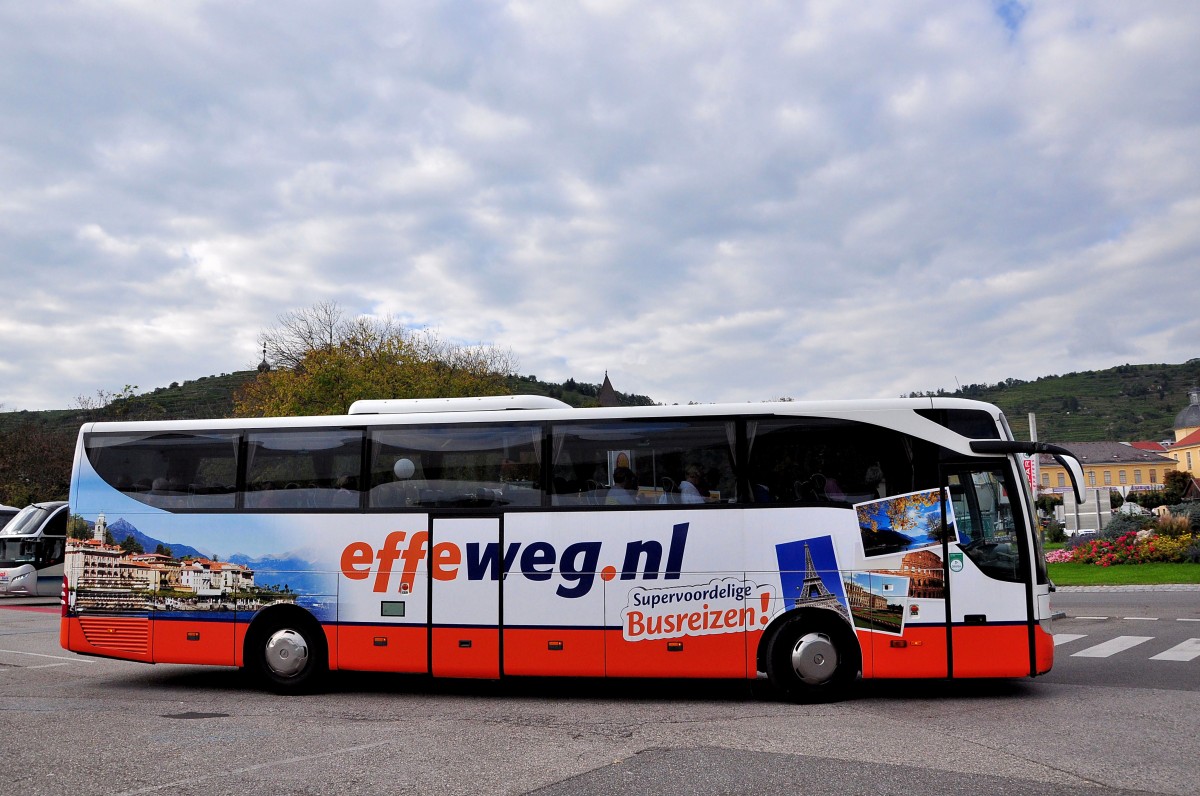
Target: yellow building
1120	466
1186	450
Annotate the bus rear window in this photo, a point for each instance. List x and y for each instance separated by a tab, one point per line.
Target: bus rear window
180	470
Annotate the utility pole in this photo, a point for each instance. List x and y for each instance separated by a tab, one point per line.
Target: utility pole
1031	473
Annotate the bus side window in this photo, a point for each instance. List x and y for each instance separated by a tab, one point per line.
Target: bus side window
615	463
177	471
57	525
456	466
303	469
823	461
52	550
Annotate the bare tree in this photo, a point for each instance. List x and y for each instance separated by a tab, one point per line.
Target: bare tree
477	358
320	327
325	327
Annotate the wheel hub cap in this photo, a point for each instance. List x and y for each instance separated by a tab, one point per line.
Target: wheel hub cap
287	653
814	658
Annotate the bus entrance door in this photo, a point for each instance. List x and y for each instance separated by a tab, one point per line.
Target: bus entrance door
465	611
988	596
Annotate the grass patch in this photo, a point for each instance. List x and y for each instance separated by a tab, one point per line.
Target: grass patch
1073	574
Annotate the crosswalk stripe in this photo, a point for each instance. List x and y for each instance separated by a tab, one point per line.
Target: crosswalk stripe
1063	638
1186	651
1112	647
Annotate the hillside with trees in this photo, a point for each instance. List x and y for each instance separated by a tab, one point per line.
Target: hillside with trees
1121	404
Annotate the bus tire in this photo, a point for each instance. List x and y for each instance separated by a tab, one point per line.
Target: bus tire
285	653
813	659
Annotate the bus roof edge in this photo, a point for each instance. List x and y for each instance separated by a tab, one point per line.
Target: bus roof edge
489	403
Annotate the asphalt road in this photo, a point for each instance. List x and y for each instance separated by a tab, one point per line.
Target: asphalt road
1128	637
1123	723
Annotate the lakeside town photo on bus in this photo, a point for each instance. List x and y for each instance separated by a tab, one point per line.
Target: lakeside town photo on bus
107	578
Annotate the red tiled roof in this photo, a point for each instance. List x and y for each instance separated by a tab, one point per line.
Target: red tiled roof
1190	439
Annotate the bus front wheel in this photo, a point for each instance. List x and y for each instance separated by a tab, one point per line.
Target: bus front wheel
812	661
286	655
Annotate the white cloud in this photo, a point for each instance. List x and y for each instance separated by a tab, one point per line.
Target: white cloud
823	199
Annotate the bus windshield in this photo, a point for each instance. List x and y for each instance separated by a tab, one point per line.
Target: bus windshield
27	522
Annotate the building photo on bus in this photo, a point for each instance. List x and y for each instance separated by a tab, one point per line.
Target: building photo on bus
807	544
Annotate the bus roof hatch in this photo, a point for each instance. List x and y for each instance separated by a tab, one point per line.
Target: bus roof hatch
489	403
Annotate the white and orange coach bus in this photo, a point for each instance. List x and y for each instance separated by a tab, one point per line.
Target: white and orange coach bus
808	544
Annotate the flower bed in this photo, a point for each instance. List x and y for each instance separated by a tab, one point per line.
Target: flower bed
1128	548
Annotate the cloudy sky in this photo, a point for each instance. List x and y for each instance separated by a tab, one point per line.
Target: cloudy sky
710	201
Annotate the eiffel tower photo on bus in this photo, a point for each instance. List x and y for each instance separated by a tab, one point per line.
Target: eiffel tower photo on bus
814	593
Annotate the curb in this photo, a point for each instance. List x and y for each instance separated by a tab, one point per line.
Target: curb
1155	587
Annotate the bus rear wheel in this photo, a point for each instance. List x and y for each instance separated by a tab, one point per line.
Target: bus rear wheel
812	661
286	655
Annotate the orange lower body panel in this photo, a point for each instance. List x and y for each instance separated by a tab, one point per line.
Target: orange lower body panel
466	652
991	651
549	652
920	652
717	655
185	641
1044	644
382	648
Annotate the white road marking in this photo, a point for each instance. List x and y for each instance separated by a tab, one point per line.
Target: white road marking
1186	619
1063	638
1144	618
74	659
1112	647
1186	651
1091	617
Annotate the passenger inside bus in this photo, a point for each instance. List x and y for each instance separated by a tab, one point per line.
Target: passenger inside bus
692	489
624	488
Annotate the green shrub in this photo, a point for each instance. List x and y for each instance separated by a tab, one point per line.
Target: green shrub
1122	524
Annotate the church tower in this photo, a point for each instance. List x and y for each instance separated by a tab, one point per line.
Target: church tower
607	396
1188	421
